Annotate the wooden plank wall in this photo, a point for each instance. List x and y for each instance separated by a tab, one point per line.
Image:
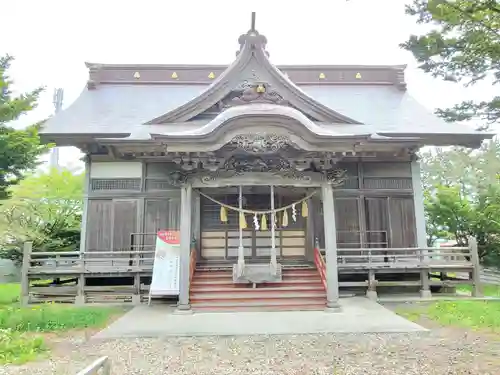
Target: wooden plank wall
380	192
378	199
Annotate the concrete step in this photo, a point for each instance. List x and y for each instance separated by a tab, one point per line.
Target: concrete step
226	274
230	267
235	288
208	308
318	302
260	296
229	284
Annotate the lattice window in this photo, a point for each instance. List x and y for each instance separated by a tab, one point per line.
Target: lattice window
104	184
152	185
402	183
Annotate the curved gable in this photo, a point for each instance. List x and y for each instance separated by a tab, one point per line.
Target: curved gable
252	78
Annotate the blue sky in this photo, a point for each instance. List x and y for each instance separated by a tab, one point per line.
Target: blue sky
52	39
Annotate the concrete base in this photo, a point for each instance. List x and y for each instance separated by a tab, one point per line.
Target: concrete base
333	307
80	300
136	299
357	315
183	310
372	295
425	293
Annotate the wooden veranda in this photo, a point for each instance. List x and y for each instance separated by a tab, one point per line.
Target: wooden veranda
124	276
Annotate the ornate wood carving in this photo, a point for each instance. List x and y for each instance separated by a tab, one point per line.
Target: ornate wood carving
335	177
240	164
261	143
253	90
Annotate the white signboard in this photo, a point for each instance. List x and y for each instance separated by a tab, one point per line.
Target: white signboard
165	280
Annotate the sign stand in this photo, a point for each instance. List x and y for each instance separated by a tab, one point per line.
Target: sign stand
166	265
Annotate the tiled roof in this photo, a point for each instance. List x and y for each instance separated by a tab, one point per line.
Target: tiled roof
123	109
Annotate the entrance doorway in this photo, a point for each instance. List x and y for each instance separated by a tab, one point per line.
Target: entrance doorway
220	240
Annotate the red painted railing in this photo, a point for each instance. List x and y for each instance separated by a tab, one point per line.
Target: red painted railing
192	264
319	261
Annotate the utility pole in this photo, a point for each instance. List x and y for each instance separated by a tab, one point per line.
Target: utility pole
57	100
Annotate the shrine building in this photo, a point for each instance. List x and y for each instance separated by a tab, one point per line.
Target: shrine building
289	184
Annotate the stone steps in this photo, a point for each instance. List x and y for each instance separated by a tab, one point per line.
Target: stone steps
214	290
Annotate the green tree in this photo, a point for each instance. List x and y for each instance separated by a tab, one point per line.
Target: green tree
462	197
19	149
472	170
463	46
45	209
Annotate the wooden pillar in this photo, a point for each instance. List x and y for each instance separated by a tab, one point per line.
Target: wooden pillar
418	201
197	223
86	190
25	281
310	230
332	277
241	249
477	288
185	247
274	262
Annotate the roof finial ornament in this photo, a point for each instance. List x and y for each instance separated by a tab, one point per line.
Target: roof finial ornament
252	25
252	38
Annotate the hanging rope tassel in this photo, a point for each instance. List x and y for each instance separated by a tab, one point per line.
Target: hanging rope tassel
223	214
243	221
284	219
305	209
263	223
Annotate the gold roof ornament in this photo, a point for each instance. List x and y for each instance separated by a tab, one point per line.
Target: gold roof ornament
322	76
137	75
260	88
174	75
358	75
211	75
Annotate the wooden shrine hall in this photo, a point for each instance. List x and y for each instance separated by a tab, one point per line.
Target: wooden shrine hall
290	185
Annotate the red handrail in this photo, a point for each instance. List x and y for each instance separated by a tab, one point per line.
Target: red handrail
192	264
320	265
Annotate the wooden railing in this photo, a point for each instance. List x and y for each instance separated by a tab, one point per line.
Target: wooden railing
490	276
319	261
192	264
76	262
360	239
405	257
102	366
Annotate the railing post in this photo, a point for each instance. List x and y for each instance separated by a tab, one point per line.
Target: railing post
477	290
25	281
80	287
371	292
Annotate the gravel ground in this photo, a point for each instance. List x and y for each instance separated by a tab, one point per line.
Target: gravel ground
442	351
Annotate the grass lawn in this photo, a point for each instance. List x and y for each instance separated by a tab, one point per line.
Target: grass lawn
488	290
477	315
22	328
